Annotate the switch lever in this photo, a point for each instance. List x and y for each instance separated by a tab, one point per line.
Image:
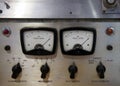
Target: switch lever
45	70
101	70
16	70
72	70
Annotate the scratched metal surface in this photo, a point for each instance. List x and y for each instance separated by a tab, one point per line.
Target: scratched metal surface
55	9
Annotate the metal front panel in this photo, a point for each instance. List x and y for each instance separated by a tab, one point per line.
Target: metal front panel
59	75
56	9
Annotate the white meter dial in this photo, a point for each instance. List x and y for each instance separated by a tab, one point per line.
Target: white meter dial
78	41
40	41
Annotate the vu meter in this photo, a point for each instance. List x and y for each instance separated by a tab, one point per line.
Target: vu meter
78	41
38	41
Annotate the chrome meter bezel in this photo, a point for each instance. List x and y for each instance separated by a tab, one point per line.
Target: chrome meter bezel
78	52
39	52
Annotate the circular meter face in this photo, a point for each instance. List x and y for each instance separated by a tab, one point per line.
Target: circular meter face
38	41
78	41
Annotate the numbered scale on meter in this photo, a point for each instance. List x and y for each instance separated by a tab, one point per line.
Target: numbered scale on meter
78	41
38	41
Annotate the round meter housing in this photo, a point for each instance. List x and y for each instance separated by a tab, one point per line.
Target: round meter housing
78	41
38	41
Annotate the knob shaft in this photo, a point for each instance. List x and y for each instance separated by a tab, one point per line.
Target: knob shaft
45	70
72	70
16	70
101	70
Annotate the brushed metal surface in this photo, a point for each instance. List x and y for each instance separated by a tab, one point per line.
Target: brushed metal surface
59	75
54	9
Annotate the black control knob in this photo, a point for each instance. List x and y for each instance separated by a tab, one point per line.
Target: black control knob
7	48
16	70
72	70
1	11
101	70
45	70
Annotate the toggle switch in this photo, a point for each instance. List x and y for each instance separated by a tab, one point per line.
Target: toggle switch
16	70
45	70
110	3
101	70
72	70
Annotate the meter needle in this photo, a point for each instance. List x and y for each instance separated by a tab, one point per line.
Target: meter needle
85	41
46	41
